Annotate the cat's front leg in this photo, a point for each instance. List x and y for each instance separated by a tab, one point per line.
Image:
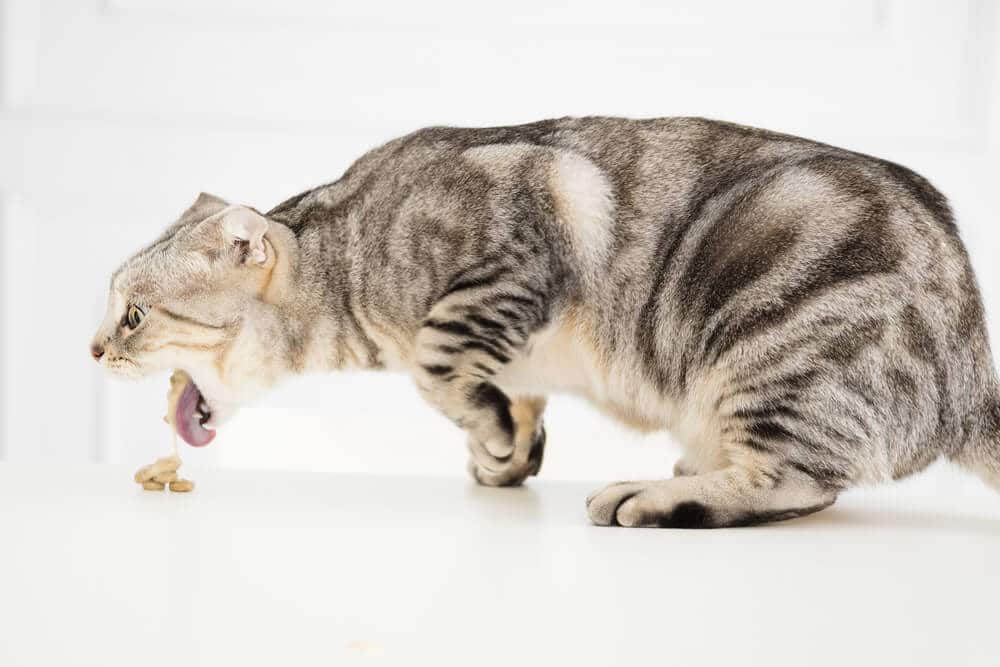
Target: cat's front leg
462	346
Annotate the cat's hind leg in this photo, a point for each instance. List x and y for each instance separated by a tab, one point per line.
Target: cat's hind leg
739	495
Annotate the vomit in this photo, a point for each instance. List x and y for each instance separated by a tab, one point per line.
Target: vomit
162	473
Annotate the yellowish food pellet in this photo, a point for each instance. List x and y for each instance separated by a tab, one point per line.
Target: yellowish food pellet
165	464
163	471
165	477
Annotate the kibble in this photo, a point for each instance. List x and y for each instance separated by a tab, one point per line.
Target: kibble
163	472
166	477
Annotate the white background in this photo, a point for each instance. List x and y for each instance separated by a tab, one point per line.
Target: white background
114	115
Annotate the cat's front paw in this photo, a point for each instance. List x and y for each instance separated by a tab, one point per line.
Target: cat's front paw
511	472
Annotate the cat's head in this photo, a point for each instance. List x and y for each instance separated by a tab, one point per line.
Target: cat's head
196	300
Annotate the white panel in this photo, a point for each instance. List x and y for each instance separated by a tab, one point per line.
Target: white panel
152	166
991	87
50	401
22	382
772	17
19	254
19	34
832	70
978	69
6	323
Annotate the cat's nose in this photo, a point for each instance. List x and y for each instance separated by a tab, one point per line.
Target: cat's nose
96	351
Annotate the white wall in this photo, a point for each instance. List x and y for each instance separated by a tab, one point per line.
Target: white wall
113	115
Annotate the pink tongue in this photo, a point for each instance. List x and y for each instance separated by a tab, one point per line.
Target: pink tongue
187	420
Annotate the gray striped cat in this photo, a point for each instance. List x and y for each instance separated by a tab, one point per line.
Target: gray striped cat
801	318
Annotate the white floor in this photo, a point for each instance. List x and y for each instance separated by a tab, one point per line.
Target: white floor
315	569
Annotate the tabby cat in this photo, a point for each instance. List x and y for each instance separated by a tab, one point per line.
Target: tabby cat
801	318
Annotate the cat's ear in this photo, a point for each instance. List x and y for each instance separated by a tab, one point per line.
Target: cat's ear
204	206
241	224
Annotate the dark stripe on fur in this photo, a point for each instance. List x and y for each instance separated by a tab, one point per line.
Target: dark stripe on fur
688	514
920	342
755	518
668	244
846	345
459	285
486	395
865	251
452	327
187	320
826	476
487	348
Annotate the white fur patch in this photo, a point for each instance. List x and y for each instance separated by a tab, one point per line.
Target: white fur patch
584	204
581	193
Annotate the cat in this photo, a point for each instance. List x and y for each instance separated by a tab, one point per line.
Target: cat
803	319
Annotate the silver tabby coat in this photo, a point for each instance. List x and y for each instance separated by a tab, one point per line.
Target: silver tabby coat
801	318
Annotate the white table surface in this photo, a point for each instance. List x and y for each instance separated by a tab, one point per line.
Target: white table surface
317	569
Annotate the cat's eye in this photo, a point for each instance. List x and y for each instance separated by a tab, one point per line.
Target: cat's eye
134	316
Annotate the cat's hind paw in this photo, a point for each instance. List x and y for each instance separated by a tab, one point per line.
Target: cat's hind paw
649	504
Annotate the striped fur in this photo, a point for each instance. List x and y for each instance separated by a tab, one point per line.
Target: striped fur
801	318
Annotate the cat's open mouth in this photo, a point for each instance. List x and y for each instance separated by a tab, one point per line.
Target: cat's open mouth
191	415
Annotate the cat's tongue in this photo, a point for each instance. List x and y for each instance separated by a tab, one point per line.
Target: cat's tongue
187	419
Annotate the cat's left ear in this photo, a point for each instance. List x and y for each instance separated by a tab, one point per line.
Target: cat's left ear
242	224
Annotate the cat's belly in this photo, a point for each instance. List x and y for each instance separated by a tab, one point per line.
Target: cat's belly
561	359
554	361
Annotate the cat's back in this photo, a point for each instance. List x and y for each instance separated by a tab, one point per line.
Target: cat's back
658	169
